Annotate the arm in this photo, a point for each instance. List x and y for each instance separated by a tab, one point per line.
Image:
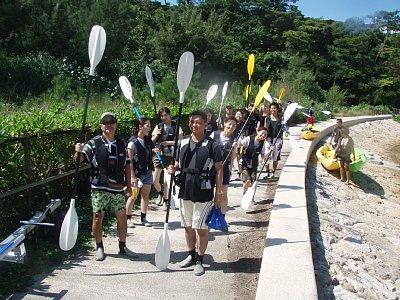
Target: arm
155	134
218	184
133	179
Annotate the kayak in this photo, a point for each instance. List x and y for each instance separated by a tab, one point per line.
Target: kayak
325	156
310	132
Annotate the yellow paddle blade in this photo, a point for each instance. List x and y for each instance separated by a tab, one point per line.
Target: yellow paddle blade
281	93
248	90
250	65
261	94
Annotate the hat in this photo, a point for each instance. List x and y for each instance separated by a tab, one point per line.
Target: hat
229	106
107	116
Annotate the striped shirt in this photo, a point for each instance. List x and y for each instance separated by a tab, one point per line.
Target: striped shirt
89	152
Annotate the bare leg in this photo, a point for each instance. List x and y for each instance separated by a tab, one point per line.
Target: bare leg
121	225
129	205
341	171
202	241
224	202
97	226
274	165
346	166
156	179
190	235
145	191
246	185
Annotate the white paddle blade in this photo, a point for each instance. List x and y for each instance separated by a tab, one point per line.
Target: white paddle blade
97	44
150	82
299	106
184	73
69	228
289	111
327	112
126	87
268	97
224	89
211	93
163	250
293	143
248	196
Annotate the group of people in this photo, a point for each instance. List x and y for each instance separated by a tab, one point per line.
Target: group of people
203	160
343	144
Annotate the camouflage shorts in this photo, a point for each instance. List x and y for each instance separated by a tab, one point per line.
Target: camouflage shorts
102	200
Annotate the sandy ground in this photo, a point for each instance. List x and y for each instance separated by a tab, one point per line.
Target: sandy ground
355	229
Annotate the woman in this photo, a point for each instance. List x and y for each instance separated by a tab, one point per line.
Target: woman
240	123
211	123
275	134
140	151
225	140
343	151
264	114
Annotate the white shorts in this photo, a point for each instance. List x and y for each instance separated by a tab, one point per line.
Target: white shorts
276	154
195	215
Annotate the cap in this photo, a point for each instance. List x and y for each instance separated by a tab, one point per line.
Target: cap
107	116
229	106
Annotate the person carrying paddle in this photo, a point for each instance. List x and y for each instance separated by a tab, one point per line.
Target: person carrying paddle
253	122
164	135
111	169
140	151
275	134
211	123
226	140
228	113
240	123
310	113
343	151
200	165
253	146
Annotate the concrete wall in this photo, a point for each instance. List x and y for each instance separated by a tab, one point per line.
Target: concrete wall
287	270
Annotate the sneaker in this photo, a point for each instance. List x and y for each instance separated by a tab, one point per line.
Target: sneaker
159	200
198	269
100	254
130	223
127	252
146	223
272	175
187	262
164	206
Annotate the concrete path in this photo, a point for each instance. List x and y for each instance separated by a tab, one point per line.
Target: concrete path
129	278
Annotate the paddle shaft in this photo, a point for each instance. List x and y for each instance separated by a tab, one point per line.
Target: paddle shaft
82	133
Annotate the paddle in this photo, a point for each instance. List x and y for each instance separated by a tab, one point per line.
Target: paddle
257	101
69	228
250	70
211	93
184	76
268	97
222	101
127	91
150	83
249	195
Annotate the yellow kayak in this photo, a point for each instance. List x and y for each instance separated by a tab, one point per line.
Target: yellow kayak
325	156
310	132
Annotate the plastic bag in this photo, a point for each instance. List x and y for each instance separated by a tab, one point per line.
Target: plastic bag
217	220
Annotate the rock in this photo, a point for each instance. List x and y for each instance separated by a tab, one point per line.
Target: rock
348	286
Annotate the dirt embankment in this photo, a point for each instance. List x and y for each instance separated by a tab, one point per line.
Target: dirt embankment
356	229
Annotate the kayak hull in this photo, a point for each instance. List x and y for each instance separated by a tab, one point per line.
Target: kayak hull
310	133
325	156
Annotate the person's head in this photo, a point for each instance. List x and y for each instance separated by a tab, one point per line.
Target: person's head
108	123
262	133
197	122
312	104
339	121
229	109
209	114
230	125
274	108
250	107
239	116
141	126
344	131
165	115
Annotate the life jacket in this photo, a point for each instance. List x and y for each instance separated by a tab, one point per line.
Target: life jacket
250	154
225	149
204	172
100	169
142	160
270	128
167	135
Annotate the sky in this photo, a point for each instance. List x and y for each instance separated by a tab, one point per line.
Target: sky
341	10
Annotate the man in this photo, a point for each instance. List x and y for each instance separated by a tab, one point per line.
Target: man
336	133
310	113
228	113
110	171
164	135
200	165
253	122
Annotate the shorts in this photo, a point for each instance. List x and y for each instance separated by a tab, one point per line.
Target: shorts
148	178
227	176
276	154
102	199
249	174
310	120
167	160
195	215
344	158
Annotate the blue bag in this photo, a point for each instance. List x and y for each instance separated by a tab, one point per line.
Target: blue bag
217	220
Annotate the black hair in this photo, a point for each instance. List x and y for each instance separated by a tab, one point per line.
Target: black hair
274	104
231	118
164	110
199	113
137	123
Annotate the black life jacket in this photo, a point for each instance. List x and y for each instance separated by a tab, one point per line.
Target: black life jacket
142	160
250	154
169	134
225	149
102	171
270	128
204	172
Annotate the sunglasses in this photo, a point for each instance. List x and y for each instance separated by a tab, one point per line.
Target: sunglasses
110	122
